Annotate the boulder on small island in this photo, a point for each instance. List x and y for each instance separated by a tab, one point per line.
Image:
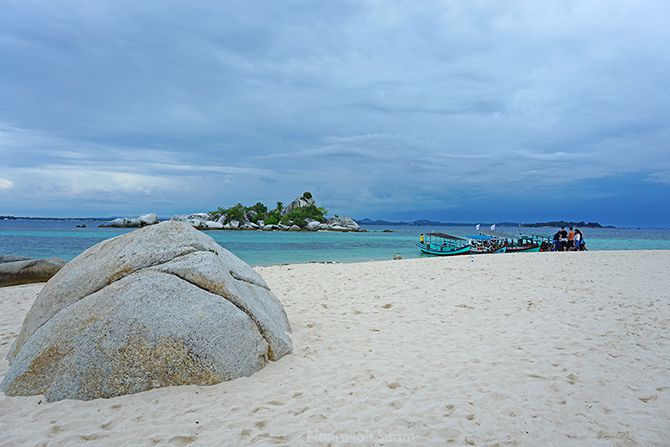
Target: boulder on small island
164	305
125	222
148	219
212	225
301	214
312	225
196	220
16	270
338	223
305	200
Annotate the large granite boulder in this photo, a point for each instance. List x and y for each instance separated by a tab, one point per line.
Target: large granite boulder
196	220
16	270
214	225
148	219
338	223
127	222
305	199
164	305
312	225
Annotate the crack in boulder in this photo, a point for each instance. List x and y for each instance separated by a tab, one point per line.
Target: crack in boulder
114	278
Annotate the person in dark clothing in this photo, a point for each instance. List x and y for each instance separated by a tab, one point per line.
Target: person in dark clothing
578	239
557	241
563	239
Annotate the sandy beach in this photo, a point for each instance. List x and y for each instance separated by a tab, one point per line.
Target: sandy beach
526	349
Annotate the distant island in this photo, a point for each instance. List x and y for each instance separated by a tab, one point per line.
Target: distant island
429	223
304	214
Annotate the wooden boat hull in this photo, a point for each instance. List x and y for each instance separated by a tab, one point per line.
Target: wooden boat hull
457	251
488	251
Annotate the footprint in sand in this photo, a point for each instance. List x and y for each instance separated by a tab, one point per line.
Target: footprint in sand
298	412
511	412
318	418
464	306
182	439
94	436
396	404
393	385
387	306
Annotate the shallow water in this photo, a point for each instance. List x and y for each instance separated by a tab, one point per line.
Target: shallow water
61	239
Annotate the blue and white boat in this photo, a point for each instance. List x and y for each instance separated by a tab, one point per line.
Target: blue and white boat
482	243
442	244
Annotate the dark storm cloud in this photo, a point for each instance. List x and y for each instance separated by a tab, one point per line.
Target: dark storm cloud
379	108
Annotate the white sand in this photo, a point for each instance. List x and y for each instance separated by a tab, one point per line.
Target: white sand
525	349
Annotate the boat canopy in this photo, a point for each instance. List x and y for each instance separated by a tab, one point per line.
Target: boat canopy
499	235
480	237
445	236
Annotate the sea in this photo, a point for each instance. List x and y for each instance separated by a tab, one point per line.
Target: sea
62	239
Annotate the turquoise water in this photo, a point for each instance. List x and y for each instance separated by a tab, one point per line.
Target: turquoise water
61	239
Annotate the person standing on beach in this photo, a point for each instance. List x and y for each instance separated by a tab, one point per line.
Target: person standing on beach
578	239
571	240
557	241
563	239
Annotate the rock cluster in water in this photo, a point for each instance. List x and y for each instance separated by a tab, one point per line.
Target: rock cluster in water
125	222
203	221
161	306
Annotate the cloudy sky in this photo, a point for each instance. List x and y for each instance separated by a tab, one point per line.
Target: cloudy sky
459	111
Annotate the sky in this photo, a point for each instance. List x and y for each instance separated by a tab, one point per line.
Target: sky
459	111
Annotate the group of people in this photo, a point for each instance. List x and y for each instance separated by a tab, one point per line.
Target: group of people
569	241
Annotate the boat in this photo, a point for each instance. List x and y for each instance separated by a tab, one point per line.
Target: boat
442	244
524	244
544	242
483	243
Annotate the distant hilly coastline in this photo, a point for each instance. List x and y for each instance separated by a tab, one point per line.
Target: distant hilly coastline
54	218
428	223
367	221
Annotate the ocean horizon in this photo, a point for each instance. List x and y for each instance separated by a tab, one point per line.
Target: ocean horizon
60	238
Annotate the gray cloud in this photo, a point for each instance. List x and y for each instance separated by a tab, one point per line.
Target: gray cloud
374	106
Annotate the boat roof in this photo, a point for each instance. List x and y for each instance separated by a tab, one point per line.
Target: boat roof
480	237
445	236
502	235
